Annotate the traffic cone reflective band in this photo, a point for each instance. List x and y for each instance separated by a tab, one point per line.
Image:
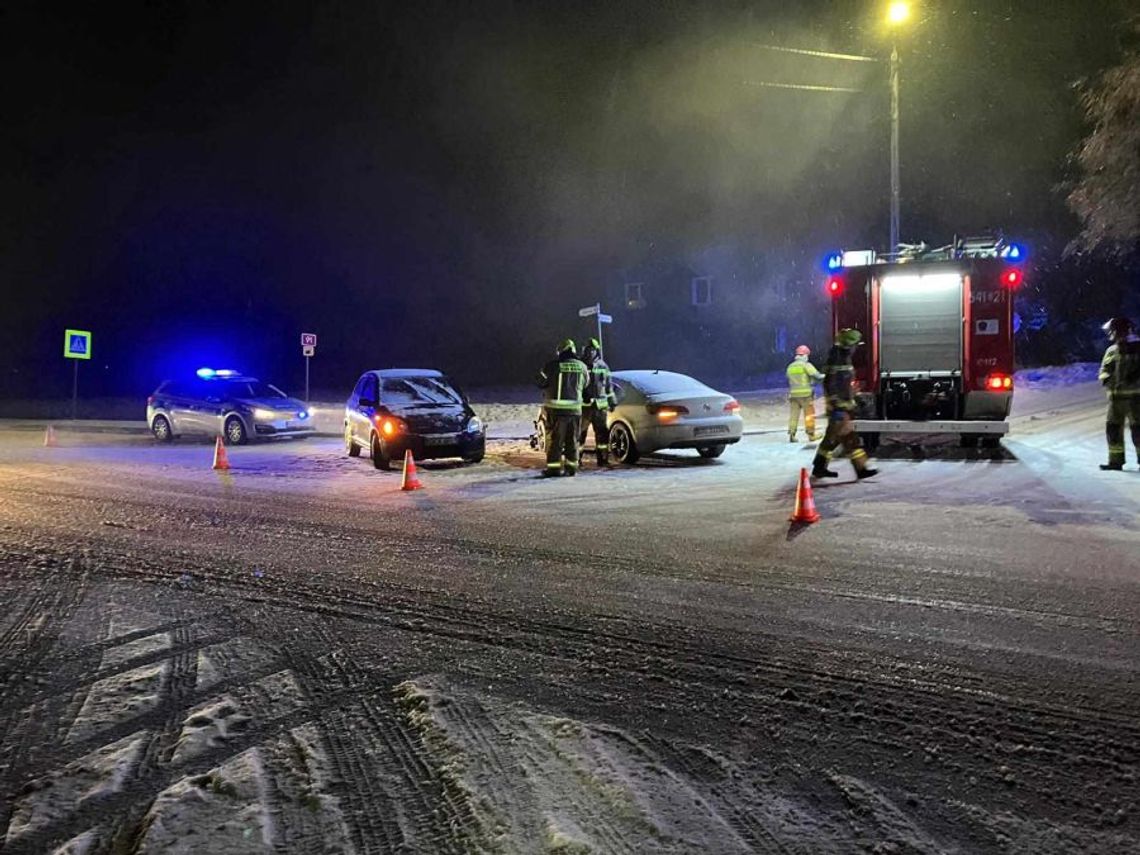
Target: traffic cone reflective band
49	437
220	459
804	511
411	481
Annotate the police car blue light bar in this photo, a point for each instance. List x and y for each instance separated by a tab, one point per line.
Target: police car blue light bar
206	373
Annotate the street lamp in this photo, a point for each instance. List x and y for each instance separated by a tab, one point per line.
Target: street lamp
897	14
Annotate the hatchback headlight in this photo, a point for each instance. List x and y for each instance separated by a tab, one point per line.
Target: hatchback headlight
474	425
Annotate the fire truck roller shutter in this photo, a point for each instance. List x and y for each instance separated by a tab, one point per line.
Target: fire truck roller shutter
920	323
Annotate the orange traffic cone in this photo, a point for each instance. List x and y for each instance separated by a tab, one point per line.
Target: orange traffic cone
220	459
49	437
411	481
804	511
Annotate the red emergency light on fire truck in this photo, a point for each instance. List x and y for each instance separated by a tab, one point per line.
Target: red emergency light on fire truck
938	327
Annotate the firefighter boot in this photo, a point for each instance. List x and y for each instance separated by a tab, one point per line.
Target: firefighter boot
791	437
1111	467
866	472
819	468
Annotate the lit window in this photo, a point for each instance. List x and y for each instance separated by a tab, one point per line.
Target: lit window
702	291
634	298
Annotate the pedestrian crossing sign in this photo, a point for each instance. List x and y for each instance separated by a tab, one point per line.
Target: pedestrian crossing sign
77	344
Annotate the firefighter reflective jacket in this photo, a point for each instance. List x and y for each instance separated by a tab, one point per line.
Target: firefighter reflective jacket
801	374
599	387
839	374
563	380
1120	369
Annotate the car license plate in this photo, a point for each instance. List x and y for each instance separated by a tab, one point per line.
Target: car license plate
440	439
711	430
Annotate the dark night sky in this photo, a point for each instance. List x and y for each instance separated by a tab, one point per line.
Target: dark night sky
420	183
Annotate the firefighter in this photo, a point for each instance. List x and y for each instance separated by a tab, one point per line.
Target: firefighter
562	379
1120	375
801	393
598	401
839	375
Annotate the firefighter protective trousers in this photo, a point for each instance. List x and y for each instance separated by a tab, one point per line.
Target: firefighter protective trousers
562	440
841	432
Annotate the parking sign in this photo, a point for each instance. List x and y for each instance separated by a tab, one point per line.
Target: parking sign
77	344
308	339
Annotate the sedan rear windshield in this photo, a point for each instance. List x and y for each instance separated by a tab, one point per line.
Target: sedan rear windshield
665	383
418	391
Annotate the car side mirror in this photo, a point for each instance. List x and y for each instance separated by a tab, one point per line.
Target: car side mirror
367	402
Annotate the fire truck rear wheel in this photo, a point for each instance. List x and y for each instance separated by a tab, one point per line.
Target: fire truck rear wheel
969	440
991	442
870	442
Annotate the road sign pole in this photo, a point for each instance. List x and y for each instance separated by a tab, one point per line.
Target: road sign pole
74	389
307	358
599	317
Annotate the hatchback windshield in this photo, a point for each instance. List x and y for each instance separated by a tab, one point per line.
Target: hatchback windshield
252	389
418	391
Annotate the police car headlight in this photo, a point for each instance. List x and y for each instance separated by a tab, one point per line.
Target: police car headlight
475	425
259	413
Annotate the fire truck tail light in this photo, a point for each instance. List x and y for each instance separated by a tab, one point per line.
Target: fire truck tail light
999	383
1011	278
834	286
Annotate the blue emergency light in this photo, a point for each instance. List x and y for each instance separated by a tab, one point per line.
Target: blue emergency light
833	261
1013	252
206	373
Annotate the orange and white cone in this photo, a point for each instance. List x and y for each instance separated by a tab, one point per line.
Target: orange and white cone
804	511
410	481
220	459
49	437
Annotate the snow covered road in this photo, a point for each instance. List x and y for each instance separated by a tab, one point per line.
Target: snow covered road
295	656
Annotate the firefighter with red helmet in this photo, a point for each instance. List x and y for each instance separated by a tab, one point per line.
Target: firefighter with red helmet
801	393
1120	375
838	386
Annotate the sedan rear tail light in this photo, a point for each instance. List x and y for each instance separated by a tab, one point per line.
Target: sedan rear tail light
998	383
732	407
667	411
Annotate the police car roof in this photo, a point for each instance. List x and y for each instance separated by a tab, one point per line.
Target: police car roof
406	372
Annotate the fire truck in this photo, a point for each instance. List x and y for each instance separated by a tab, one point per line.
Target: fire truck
938	331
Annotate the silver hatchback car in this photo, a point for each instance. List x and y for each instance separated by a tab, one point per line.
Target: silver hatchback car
228	404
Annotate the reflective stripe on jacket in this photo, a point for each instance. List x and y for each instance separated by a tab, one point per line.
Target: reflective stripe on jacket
1120	369
599	392
563	380
801	375
839	375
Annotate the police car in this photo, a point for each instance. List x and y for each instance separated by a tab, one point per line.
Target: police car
225	403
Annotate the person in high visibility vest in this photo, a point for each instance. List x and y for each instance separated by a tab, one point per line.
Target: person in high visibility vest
1120	375
839	376
598	401
563	380
801	393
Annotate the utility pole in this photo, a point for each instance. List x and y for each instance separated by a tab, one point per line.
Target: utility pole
894	245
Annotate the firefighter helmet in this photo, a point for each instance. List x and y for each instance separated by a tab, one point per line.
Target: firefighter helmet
1118	328
848	337
567	345
803	350
594	343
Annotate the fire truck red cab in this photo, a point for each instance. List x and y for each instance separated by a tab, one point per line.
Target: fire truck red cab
938	332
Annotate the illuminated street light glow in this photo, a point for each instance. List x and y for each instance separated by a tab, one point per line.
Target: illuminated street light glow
897	13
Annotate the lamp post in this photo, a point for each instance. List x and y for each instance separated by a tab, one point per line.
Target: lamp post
897	14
